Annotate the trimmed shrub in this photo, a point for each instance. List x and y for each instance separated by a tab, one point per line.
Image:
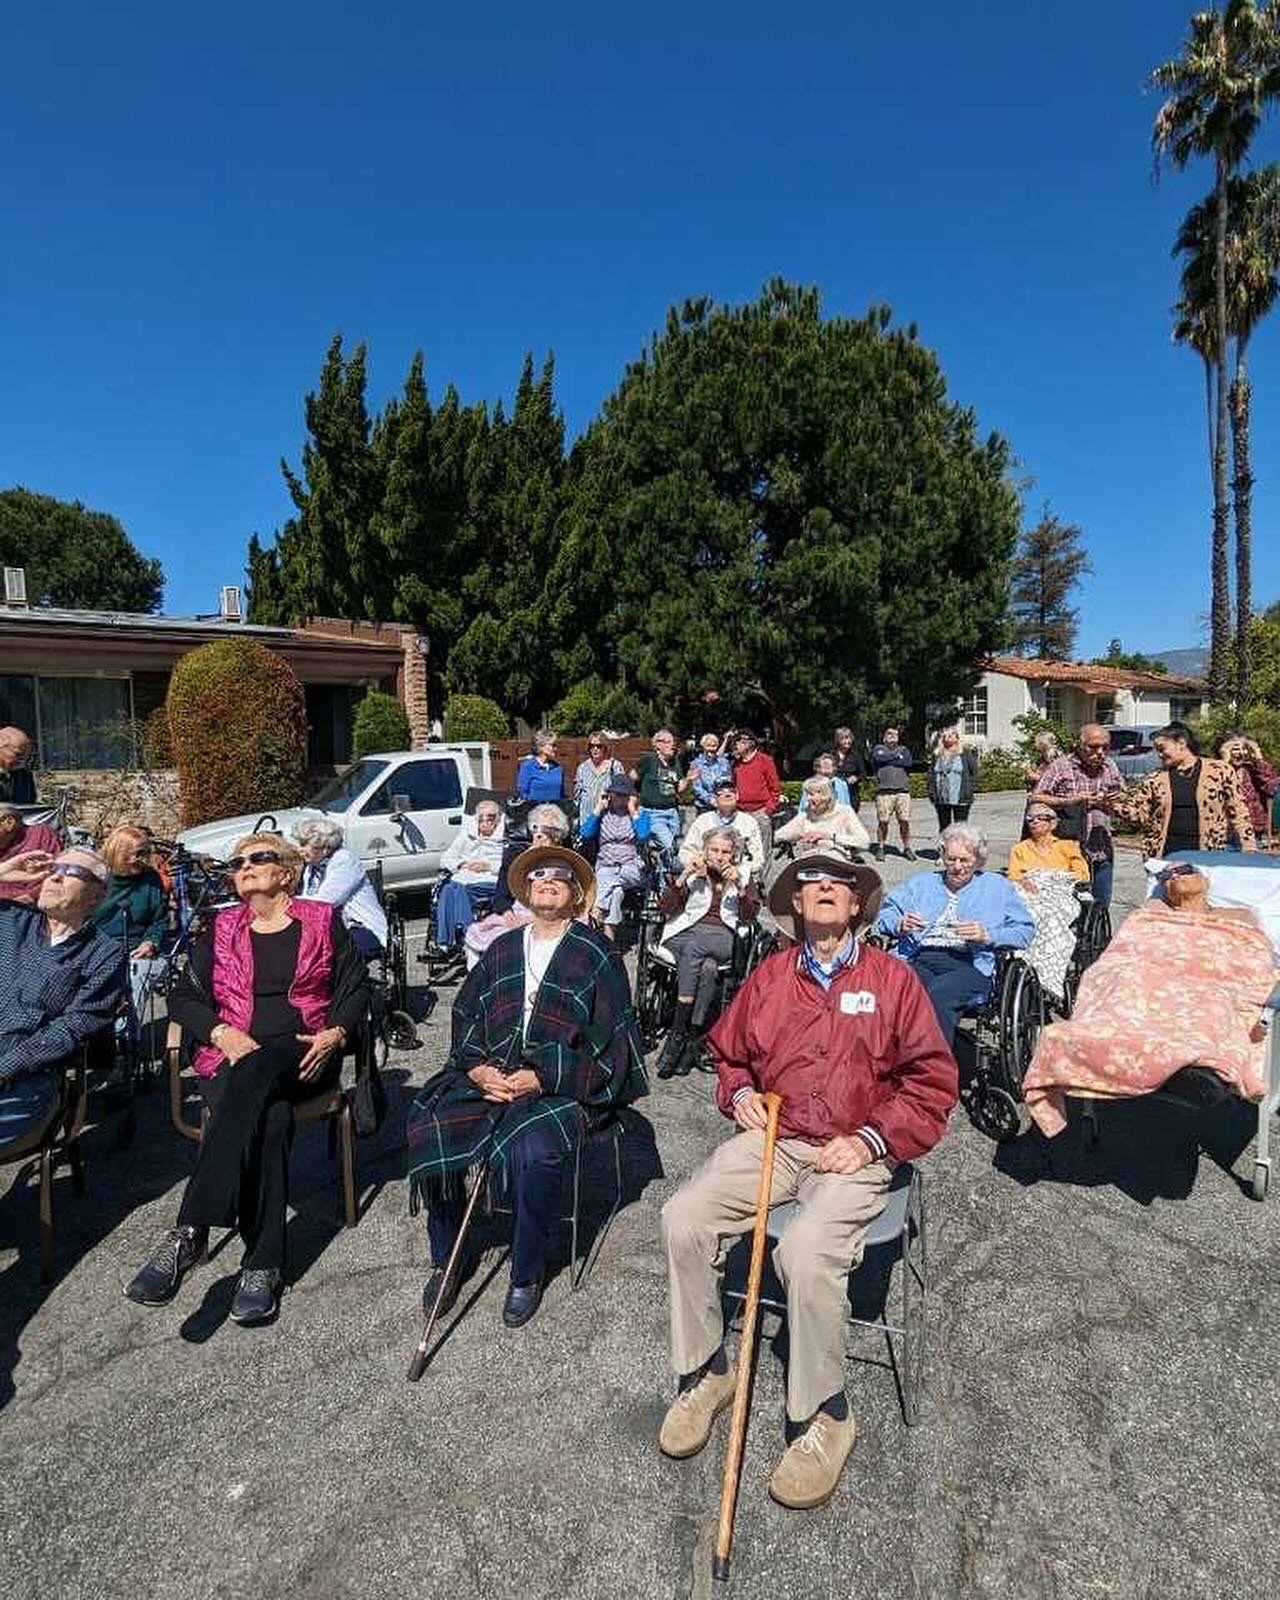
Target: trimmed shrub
474	716
155	746
380	722
238	729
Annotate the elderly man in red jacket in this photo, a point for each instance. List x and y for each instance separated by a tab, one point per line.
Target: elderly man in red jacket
847	1036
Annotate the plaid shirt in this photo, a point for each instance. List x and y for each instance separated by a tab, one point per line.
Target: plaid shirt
582	1041
54	997
1066	779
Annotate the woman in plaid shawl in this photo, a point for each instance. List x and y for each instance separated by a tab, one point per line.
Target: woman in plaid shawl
544	1036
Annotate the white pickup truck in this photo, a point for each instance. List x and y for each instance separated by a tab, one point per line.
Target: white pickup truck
401	808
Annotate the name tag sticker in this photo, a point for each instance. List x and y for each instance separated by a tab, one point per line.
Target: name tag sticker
859	1003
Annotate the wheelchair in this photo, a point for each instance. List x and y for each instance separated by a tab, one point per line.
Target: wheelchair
1093	935
391	974
656	975
1003	1029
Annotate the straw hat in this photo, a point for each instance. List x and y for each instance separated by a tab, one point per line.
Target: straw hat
539	856
866	882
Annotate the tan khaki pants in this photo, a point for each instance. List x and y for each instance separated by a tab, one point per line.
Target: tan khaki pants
812	1259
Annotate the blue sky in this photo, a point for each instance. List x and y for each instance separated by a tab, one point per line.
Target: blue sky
196	199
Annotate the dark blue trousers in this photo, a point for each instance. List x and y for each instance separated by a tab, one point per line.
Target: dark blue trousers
533	1177
952	982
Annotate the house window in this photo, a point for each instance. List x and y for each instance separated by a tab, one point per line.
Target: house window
973	713
1183	710
1054	704
85	722
1104	710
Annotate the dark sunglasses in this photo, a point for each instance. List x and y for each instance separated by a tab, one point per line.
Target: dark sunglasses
1179	869
255	858
68	869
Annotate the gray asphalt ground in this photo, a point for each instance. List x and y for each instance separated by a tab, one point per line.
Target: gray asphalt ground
1101	1416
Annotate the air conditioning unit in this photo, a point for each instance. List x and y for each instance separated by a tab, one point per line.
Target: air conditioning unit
229	608
15	586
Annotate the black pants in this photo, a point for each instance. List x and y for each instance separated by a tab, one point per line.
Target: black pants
534	1160
699	950
949	814
242	1171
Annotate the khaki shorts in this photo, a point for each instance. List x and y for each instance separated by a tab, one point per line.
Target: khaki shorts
893	805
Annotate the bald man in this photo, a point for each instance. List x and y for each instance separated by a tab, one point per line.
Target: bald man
16	781
1084	779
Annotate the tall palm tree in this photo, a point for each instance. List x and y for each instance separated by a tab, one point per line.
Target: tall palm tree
1215	92
1253	286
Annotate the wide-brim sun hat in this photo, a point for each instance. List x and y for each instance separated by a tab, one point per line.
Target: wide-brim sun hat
541	855
866	881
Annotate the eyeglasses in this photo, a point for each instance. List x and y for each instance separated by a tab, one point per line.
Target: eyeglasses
823	875
68	869
1179	869
558	873
1041	816
959	861
255	858
595	747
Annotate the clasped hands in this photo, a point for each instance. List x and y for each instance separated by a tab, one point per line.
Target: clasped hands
502	1087
234	1043
845	1153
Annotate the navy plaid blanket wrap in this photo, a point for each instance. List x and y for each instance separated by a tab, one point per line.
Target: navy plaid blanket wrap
582	1042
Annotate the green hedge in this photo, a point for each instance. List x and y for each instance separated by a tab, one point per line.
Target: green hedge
474	716
380	722
999	772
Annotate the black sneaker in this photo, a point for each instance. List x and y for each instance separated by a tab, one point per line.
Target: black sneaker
158	1281
257	1297
669	1060
432	1288
877	850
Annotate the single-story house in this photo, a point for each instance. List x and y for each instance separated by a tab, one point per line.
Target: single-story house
1071	693
77	680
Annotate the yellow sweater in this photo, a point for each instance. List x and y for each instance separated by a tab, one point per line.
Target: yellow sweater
1063	857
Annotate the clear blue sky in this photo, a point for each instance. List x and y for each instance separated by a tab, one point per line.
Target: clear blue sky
193	205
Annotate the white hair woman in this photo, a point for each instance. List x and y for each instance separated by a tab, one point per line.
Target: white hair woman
948	924
474	859
823	824
539	776
547	825
332	873
273	991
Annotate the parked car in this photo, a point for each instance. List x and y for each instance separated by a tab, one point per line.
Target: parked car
1132	750
401	808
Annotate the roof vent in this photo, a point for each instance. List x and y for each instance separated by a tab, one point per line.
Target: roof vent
15	586
229	607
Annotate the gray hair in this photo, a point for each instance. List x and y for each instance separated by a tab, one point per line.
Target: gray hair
550	819
818	786
965	833
543	740
1045	741
730	835
319	830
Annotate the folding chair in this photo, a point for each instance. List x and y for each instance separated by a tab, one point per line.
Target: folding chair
51	1141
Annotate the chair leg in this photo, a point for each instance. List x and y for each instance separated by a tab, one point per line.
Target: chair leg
75	1156
346	1140
46	1214
575	1277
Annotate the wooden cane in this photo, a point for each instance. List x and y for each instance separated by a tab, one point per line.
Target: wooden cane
418	1365
746	1347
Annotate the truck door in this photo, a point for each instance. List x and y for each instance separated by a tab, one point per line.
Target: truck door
410	819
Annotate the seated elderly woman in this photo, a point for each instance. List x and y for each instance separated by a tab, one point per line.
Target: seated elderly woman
948	924
63	978
474	860
135	907
703	907
823	824
1042	851
333	874
273	991
620	825
547	825
1181	984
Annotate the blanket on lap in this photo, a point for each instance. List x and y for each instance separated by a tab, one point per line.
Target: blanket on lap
1173	989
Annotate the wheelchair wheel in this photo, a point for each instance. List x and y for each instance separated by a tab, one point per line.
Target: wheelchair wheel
1021	1018
1095	936
653	1001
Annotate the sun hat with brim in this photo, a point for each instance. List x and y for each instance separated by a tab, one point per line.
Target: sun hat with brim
866	881
545	855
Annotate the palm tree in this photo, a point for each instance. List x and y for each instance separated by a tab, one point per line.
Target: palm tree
1253	286
1215	92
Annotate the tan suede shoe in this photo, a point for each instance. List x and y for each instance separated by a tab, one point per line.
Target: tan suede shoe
687	1424
810	1469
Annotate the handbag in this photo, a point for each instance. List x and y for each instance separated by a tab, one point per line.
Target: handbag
369	1101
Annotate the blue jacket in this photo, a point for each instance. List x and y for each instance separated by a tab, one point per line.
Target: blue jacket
706	774
538	783
53	997
987	898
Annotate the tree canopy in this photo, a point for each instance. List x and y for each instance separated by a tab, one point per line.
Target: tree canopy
1049	564
1130	660
73	557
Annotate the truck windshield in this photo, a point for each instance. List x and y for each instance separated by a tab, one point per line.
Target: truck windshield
338	793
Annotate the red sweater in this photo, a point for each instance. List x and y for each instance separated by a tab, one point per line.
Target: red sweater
865	1056
758	786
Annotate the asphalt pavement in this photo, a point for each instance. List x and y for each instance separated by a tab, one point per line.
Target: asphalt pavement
1100	1417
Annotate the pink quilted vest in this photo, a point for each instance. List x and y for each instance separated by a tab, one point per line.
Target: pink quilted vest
310	991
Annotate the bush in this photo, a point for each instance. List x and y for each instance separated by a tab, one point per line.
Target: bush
154	744
1032	723
592	704
238	728
1001	770
380	723
474	716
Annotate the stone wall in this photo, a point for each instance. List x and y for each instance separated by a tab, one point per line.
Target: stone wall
102	800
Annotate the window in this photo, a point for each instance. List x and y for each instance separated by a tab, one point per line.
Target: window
1054	702
973	713
18	703
1104	710
1183	710
339	792
428	786
84	722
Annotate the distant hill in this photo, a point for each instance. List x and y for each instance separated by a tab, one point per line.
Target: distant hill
1183	663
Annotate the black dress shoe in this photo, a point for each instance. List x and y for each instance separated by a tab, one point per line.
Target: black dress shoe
257	1296
689	1056
158	1281
432	1288
669	1060
523	1299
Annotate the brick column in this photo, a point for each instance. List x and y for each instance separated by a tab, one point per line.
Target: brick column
415	689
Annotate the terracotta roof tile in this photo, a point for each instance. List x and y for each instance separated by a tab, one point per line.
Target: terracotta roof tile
1088	675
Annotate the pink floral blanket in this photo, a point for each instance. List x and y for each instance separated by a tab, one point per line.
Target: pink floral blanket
1172	989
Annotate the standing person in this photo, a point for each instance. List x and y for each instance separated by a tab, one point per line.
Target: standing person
726	815
1081	784
19	837
849	762
1257	779
846	1036
759	788
1192	803
539	776
17	782
593	774
136	903
891	768
708	767
1047	751
953	774
661	780
621	827
544	1038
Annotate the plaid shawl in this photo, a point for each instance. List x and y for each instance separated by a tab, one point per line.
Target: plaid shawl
582	1042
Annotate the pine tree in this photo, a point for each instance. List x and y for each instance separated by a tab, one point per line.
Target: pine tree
1049	563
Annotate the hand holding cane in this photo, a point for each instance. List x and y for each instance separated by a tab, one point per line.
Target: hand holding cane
746	1348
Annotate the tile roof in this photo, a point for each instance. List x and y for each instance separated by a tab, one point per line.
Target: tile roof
1089	676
